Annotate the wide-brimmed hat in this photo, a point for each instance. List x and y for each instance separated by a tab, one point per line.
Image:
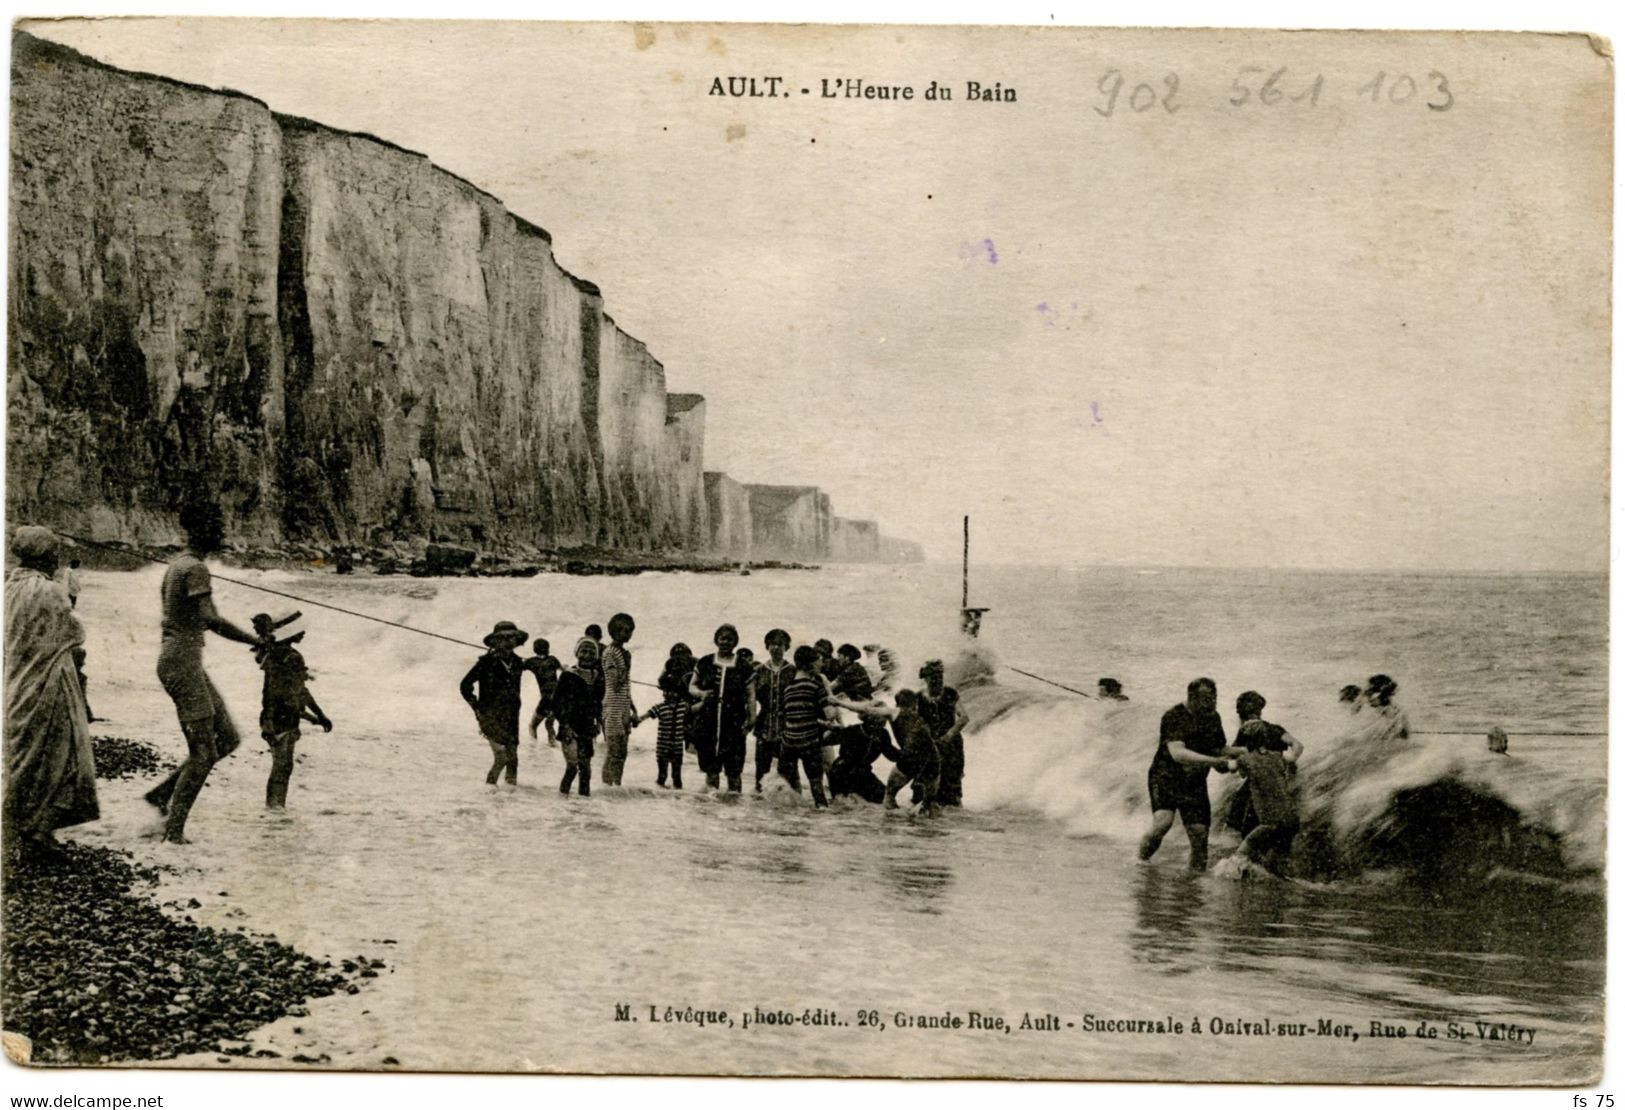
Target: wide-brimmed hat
506	630
265	624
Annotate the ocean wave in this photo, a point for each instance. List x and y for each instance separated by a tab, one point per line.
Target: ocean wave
1438	811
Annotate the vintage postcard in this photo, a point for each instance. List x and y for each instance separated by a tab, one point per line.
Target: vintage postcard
748	550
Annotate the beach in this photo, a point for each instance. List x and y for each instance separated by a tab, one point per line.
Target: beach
531	932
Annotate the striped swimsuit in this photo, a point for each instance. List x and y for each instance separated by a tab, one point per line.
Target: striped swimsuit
672	718
617	690
803	714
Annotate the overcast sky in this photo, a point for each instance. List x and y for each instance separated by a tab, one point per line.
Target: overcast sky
1348	335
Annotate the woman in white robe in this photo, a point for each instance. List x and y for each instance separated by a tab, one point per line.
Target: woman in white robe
50	771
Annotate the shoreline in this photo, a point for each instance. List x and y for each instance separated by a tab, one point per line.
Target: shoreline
98	971
433	560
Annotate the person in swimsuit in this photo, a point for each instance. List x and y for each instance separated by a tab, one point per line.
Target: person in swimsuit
1269	756
772	676
804	724
672	730
916	756
619	712
828	665
577	706
860	744
187	600
723	686
1191	743
285	701
1351	698
939	708
545	668
491	688
1392	726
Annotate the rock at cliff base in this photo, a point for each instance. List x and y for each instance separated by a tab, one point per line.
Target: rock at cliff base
445	558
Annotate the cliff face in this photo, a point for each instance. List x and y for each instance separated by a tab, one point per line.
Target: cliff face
429	333
856	541
144	341
346	343
728	505
682	462
900	551
789	522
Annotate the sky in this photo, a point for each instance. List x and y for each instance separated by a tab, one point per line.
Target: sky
1347	334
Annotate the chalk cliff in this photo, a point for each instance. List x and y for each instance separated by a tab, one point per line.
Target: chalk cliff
893	550
854	541
144	344
727	506
347	343
787	521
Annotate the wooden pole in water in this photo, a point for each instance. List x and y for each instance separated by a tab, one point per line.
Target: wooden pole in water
964	581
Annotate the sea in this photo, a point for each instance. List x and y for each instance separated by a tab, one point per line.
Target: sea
1459	939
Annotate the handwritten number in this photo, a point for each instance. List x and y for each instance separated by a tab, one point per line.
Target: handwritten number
1269	94
1443	87
1172	83
1312	93
1111	92
1242	91
1273	90
1141	98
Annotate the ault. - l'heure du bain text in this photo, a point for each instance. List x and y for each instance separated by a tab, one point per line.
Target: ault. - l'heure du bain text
861	88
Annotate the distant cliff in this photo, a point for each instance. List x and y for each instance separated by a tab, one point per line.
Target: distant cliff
348	344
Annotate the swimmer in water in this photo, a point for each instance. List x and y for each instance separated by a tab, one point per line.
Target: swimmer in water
1190	744
917	757
723	685
828	666
939	706
772	676
285	701
615	664
578	706
1379	699
545	668
491	689
805	721
1269	754
672	714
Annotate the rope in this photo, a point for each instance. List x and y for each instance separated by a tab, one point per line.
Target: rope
347	612
1041	678
1414	732
307	601
1485	732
